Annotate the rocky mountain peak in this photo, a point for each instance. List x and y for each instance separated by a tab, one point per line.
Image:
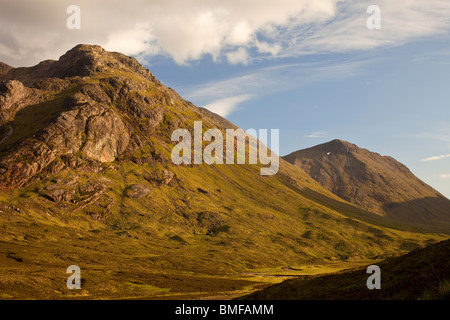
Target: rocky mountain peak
88	108
84	60
81	61
338	146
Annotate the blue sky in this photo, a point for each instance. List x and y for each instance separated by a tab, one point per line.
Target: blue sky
394	101
309	68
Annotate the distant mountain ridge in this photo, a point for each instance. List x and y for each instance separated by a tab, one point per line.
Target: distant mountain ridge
376	183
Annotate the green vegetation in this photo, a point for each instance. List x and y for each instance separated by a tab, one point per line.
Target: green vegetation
199	232
244	238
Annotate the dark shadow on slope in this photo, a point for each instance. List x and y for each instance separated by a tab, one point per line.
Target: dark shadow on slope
352	211
418	212
430	213
420	274
29	120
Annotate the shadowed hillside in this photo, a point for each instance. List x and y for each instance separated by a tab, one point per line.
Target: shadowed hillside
421	274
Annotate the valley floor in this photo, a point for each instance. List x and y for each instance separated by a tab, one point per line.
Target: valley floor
22	278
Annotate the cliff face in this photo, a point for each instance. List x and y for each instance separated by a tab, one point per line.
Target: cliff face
376	183
90	102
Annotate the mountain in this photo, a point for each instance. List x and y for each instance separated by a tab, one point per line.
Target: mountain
376	183
87	179
421	274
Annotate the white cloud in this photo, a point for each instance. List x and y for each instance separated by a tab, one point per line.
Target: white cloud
240	56
241	33
318	134
445	176
31	31
264	47
225	106
131	41
435	158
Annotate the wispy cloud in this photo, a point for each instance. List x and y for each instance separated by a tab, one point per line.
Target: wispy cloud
271	80
401	21
445	176
439	133
435	158
439	57
225	106
318	134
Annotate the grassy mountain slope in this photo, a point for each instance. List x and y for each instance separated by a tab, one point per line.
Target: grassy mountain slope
87	180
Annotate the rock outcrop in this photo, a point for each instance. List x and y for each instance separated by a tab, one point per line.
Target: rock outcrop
91	104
